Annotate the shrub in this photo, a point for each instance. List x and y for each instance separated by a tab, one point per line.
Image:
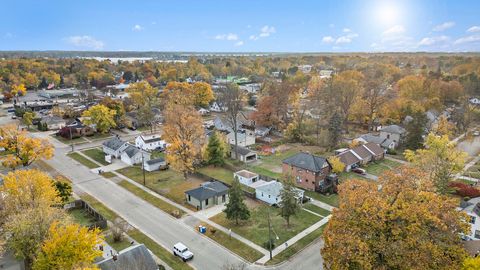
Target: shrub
391	151
464	190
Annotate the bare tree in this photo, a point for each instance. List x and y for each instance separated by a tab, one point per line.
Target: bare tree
118	228
233	100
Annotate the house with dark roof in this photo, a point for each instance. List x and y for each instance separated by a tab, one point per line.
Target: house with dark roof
383	142
472	209
207	195
350	159
136	257
155	164
310	172
133	155
361	155
393	132
244	154
114	147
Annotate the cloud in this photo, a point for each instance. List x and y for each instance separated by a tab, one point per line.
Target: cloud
397	29
430	41
467	39
265	31
85	42
444	26
347	30
238	43
229	36
346	39
474	29
137	28
328	39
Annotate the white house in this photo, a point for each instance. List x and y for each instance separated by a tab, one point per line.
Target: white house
472	209
155	164
270	192
114	147
382	141
54	122
246	177
133	155
203	111
251	87
475	101
215	107
150	142
245	137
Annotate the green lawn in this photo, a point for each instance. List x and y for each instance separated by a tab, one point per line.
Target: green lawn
316	209
343	176
99	207
117	245
256	229
83	160
168	183
331	199
376	168
68	141
263	171
81	217
108	174
236	246
221	174
159	203
271	165
297	247
96	154
165	255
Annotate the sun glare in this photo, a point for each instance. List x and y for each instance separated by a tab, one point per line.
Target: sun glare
387	14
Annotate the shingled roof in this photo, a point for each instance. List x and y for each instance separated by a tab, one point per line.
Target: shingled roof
208	190
394	129
134	257
306	161
114	143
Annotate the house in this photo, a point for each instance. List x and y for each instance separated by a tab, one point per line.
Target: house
310	172
370	138
133	257
244	154
375	150
155	164
393	132
150	142
207	195
133	155
203	111
217	107
325	73
270	192
53	122
245	137
472	209
114	147
246	177
262	131
252	88
305	68
350	159
363	153
474	101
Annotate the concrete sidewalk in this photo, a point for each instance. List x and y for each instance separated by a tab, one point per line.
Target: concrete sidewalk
322	205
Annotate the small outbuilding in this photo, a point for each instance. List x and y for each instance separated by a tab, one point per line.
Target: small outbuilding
207	195
246	177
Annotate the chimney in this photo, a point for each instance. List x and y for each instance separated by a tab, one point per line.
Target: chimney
115	257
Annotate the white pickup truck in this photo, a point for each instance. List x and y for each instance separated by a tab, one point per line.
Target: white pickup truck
182	251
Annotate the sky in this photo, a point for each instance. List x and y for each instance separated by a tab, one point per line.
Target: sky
241	26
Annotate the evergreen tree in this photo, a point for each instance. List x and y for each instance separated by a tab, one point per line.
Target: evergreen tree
289	204
43	84
64	190
415	130
157	73
334	130
62	82
215	150
236	209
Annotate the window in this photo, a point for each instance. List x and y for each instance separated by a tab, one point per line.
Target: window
262	194
206	202
223	197
268	196
472	219
189	199
306	180
477	234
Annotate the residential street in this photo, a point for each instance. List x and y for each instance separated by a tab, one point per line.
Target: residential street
158	225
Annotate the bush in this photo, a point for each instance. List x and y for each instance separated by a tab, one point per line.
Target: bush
391	151
267	244
464	190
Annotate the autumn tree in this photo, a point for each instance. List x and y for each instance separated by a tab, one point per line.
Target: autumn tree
28	118
68	246
100	116
236	209
19	90
184	132
203	94
347	85
337	165
289	199
471	263
233	99
404	224
444	127
215	150
118	107
21	149
143	94
440	159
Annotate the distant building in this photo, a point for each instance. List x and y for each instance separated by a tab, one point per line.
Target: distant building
53	122
305	68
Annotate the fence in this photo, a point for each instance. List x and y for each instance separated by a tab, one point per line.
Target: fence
100	221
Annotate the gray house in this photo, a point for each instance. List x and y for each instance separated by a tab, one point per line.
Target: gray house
134	257
207	195
244	154
393	132
114	147
133	155
155	164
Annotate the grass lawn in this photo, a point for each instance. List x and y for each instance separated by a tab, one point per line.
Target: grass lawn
162	253
316	209
234	245
168	183
376	168
68	141
297	247
81	217
117	245
108	174
99	136
256	229
344	176
159	203
96	154
101	209
263	171
331	199
221	174
83	160
468	182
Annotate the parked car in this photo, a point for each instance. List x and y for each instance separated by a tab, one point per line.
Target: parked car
359	171
182	251
476	133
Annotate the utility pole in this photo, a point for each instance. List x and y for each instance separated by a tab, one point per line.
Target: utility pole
143	169
71	138
269	234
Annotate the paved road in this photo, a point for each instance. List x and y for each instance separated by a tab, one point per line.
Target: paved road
156	224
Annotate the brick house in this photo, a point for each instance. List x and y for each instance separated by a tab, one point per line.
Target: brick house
310	172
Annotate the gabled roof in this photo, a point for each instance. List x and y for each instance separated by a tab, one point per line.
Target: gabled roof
134	257
131	151
114	143
394	129
272	188
348	158
375	148
306	161
208	190
362	152
242	150
53	120
155	161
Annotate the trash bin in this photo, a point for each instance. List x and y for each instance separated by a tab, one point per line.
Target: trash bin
202	229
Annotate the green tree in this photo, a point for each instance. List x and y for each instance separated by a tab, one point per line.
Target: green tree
289	204
101	116
416	130
64	190
215	150
28	118
236	209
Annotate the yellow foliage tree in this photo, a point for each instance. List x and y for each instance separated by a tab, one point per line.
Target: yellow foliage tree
68	246
184	132
440	158
203	94
142	94
471	264
337	165
22	149
19	89
444	127
28	118
403	225
101	116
